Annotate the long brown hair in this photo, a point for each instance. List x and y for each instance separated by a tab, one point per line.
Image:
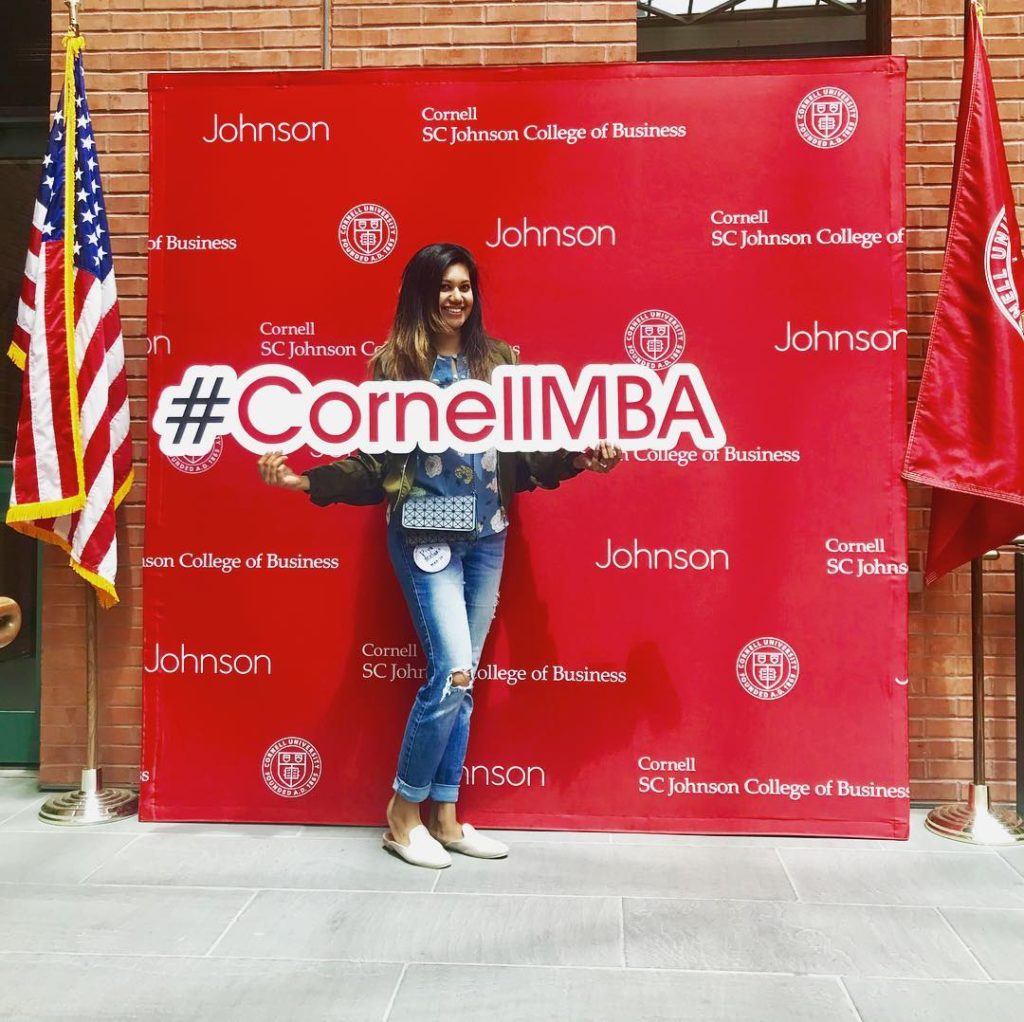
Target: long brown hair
408	353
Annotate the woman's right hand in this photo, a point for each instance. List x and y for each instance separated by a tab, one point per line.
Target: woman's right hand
274	471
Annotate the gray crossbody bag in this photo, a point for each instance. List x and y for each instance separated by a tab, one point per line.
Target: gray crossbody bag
439	519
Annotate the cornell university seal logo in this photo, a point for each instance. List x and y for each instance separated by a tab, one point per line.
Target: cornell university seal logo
826	118
999	271
655	339
291	767
767	668
196	464
368	233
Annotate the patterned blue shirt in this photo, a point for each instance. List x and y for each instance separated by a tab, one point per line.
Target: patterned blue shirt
452	473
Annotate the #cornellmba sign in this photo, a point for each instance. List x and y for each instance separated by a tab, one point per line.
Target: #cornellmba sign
742	336
520	408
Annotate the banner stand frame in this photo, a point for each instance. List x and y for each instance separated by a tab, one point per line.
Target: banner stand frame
977	822
91	803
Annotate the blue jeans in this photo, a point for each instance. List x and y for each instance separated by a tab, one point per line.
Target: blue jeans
452	611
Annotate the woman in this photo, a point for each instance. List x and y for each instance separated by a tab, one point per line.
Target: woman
451	588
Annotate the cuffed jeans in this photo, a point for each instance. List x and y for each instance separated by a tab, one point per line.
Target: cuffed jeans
452	611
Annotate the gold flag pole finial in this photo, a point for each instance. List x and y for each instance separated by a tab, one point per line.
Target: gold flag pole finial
72	6
979	9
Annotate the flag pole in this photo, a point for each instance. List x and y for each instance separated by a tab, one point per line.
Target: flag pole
977	822
91	672
91	803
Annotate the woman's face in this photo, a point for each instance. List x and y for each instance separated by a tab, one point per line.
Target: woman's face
456	299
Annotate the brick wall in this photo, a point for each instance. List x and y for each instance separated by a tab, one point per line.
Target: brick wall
131	37
404	34
930	34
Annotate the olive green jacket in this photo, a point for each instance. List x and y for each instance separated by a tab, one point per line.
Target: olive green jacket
370	478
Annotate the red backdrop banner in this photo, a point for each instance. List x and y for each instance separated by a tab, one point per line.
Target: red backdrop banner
709	641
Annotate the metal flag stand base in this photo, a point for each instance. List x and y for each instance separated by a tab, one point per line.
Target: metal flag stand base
92	803
977	823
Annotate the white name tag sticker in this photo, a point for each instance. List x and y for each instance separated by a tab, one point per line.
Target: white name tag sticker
432	557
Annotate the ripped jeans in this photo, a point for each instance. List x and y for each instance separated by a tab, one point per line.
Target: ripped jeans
451	610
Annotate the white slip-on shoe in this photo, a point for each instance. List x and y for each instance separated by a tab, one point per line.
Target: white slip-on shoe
422	850
479	845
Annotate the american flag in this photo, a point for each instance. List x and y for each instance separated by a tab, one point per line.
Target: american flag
72	460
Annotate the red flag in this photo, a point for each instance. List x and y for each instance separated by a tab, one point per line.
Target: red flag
967	438
72	460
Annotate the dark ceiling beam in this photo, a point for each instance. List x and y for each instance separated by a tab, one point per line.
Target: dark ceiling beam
732	33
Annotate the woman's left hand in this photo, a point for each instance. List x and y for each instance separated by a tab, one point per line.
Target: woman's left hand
602	458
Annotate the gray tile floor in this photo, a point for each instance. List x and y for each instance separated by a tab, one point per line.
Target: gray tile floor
193	921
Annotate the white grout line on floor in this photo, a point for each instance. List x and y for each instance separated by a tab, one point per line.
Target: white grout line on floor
849	999
789	879
33	806
241	830
622	928
1001	851
394	993
457	964
234	919
967	947
461	964
916	907
1017	876
106	862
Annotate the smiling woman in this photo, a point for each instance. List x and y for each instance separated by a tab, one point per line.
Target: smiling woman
448	517
439	313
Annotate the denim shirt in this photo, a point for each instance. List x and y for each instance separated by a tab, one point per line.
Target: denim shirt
453	474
